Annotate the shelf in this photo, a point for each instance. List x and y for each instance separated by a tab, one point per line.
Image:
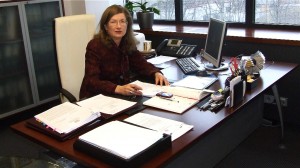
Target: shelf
255	35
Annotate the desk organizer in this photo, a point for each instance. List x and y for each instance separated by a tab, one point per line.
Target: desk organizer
253	83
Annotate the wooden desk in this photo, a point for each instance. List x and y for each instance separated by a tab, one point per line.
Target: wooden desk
213	137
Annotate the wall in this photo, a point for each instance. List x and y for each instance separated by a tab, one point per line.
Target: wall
74	7
96	7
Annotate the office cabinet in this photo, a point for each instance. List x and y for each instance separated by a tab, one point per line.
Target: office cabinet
28	71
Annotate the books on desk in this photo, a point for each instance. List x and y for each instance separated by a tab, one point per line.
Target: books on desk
122	144
66	119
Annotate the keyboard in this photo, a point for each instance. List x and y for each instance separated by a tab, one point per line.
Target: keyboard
189	65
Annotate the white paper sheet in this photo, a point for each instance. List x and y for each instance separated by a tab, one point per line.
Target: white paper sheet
195	82
66	117
122	139
160	59
164	125
105	104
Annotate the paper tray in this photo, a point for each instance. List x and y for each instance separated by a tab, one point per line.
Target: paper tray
117	161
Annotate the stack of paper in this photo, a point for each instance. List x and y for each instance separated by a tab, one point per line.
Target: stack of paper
183	98
175	104
160	61
67	117
121	139
105	104
150	90
164	125
196	82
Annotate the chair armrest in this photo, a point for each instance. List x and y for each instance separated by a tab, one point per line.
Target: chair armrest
71	98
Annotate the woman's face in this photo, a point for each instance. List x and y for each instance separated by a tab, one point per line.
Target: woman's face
117	27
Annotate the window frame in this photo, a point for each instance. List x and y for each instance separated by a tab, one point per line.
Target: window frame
249	23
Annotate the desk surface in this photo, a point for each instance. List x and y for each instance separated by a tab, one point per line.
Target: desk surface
204	121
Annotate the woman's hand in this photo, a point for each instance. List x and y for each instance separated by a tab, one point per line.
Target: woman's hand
160	79
128	90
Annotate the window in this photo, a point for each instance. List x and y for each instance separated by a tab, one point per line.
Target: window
203	10
166	7
285	12
250	12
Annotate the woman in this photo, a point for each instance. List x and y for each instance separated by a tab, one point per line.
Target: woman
111	55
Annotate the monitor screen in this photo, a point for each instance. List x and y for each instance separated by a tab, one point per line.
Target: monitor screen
214	42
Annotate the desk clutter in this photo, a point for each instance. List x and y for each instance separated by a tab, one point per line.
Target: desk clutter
193	121
245	73
248	68
244	76
115	141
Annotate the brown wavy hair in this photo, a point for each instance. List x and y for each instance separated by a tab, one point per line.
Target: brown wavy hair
128	40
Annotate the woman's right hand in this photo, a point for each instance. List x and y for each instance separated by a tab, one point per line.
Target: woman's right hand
128	90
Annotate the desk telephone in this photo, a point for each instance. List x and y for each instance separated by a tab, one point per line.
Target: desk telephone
173	47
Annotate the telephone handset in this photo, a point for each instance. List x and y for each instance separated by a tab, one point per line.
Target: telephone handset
173	47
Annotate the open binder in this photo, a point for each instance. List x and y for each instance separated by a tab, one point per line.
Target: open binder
34	124
183	98
90	119
88	146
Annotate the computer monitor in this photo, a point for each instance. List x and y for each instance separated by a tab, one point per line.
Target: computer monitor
213	47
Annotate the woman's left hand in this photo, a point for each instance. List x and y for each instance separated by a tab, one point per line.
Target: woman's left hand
160	79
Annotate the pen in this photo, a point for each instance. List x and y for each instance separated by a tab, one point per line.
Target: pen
133	95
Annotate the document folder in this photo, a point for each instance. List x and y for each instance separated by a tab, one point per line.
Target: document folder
135	161
38	126
87	123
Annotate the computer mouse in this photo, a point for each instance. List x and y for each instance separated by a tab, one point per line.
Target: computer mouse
202	73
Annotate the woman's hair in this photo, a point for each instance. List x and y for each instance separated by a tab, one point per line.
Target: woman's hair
128	40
